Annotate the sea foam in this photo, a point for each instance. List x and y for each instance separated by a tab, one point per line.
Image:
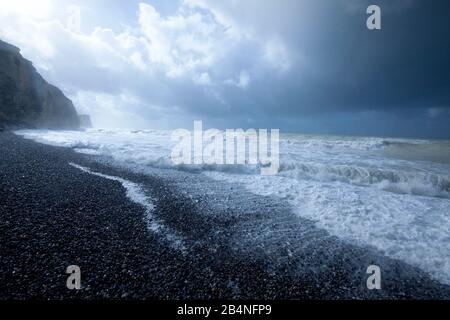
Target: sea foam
135	193
391	194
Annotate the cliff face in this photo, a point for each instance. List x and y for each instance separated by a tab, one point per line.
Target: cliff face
27	100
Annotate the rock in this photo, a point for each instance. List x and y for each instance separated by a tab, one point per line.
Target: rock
27	100
85	121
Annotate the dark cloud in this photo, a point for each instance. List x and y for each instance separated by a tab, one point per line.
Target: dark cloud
405	65
309	65
384	80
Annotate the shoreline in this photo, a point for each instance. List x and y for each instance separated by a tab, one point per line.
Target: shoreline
54	215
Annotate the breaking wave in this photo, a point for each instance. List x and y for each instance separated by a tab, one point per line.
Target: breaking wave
358	161
392	194
409	182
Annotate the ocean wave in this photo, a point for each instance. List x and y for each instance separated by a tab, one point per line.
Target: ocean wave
302	157
343	143
402	226
387	193
398	181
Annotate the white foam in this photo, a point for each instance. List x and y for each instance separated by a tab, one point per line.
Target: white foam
136	194
406	180
403	226
392	194
358	161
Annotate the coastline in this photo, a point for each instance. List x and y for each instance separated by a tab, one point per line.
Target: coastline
54	215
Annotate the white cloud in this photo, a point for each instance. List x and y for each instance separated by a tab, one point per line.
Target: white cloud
242	81
277	55
136	58
187	43
198	45
203	79
26	8
115	111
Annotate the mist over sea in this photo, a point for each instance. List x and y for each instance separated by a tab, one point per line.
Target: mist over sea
391	194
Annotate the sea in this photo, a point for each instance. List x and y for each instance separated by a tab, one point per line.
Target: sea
388	193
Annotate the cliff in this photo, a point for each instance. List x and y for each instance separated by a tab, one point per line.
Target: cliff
27	100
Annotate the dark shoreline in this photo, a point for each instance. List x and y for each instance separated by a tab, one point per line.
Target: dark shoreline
53	215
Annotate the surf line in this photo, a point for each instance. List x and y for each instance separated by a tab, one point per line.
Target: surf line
135	192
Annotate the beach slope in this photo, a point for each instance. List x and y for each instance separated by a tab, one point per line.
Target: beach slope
53	215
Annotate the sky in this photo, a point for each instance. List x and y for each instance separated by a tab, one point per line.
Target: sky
309	66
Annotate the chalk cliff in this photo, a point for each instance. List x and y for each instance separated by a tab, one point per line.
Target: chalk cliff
27	100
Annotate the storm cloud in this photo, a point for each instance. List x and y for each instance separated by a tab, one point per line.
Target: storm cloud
309	66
